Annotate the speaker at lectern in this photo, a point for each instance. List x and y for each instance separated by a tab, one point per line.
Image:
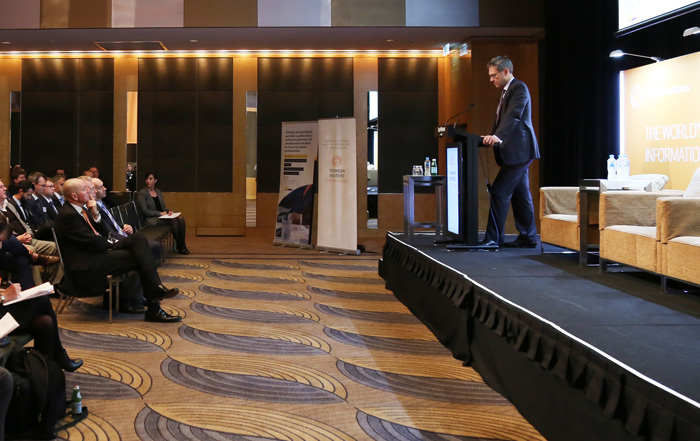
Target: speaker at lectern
462	176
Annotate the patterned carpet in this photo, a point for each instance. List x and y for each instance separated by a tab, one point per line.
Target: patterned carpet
293	345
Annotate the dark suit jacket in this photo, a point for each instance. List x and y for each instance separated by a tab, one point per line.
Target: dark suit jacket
39	216
51	211
56	201
108	223
145	201
83	252
42	231
514	127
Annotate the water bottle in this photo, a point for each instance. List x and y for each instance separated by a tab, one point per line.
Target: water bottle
76	401
433	167
426	167
623	171
612	168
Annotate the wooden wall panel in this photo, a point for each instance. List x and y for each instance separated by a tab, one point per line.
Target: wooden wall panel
10	80
221	13
368	13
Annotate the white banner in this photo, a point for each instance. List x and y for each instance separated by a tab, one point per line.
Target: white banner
295	206
337	185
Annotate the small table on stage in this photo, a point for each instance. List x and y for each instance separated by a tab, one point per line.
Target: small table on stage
410	182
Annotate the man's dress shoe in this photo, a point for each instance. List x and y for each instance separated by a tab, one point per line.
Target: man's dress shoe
44	260
520	243
160	316
165	293
184	251
488	243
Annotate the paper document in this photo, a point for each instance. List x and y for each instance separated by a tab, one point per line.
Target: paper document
7	324
170	216
37	291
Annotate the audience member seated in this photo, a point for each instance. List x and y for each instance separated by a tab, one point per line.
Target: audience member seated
58	181
131	291
17	175
37	318
36	247
150	200
6	389
47	202
90	257
39	213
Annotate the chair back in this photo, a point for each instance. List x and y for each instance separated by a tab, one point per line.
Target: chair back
116	214
121	197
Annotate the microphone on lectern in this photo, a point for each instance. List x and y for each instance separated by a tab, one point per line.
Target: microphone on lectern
469	107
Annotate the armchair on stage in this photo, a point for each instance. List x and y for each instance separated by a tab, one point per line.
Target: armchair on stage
560	217
655	231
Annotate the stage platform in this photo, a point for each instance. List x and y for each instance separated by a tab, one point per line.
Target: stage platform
582	355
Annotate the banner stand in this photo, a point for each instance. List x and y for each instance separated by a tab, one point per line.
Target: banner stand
295	208
337	186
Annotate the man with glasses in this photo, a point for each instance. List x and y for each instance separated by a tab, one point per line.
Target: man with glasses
46	199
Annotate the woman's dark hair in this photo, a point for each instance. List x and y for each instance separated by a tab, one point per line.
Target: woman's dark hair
155	176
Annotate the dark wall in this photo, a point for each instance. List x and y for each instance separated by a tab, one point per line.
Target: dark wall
408	113
297	89
67	115
185	123
580	82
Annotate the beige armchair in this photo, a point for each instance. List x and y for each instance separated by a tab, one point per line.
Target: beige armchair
560	210
628	228
678	231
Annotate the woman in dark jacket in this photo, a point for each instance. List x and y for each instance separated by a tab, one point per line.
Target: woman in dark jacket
151	201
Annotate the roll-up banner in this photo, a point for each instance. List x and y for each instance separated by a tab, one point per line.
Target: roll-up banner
337	186
295	206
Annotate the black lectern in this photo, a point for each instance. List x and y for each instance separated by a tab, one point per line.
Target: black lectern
462	189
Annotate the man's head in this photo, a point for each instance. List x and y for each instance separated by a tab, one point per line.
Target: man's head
23	191
39	181
58	181
76	191
18	174
100	189
128	167
87	173
60	171
3	193
95	172
50	187
500	71
90	186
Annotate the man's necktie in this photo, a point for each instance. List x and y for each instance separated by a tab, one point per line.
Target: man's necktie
87	219
53	207
114	222
500	104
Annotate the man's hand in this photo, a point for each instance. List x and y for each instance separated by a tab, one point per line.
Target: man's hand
127	229
490	140
24	238
92	206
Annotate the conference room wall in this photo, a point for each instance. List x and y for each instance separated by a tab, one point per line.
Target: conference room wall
67	113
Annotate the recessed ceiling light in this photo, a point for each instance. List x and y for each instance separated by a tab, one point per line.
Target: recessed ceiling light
389	40
194	41
4	42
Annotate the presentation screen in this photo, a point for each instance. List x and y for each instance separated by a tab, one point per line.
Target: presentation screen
453	172
636	12
660	119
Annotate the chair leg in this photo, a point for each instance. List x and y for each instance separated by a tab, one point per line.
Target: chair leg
109	305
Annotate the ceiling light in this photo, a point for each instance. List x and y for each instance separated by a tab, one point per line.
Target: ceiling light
691	31
194	41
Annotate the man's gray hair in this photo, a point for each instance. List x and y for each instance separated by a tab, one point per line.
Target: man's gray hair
501	63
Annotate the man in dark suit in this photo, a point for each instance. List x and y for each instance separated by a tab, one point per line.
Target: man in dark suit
89	257
46	201
515	147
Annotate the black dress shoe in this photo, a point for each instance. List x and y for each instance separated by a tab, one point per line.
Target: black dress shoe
165	293
184	251
520	243
68	364
488	243
132	309
160	316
